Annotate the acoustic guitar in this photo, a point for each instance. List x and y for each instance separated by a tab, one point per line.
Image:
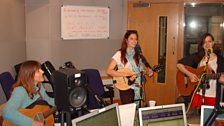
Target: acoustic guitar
123	83
40	113
184	84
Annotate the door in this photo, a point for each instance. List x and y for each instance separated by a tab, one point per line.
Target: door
157	25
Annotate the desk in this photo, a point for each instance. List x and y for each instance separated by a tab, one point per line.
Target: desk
107	80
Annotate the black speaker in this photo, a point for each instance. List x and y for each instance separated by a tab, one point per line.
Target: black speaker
70	89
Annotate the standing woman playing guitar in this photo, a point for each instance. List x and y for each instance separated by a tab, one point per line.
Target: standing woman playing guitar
204	57
27	91
127	58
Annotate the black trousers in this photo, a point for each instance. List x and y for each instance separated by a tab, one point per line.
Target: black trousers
127	96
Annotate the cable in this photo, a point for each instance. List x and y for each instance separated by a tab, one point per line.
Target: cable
194	93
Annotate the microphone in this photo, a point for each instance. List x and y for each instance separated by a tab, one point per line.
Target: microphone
139	51
210	50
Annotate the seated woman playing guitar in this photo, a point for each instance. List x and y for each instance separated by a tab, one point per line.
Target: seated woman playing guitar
26	91
127	58
212	61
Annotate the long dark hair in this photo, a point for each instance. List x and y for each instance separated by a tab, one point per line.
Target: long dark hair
26	76
124	46
201	51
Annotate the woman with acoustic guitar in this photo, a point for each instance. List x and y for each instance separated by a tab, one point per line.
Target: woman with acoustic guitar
128	64
26	94
212	64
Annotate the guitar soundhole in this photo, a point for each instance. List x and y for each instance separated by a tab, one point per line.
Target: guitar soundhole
207	86
130	82
185	81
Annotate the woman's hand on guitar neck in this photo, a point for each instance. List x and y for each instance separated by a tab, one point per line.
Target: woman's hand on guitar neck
150	72
37	123
221	79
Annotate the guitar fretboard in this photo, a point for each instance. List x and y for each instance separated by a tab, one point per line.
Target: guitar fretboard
213	76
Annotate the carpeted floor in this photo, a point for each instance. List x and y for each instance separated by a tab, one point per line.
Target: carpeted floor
194	120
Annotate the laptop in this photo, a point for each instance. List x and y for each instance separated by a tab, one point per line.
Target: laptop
107	116
127	114
206	111
164	115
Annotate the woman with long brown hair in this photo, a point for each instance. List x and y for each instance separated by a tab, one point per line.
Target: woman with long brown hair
205	56
128	58
27	91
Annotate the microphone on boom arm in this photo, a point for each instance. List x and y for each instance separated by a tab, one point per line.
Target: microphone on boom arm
209	51
139	51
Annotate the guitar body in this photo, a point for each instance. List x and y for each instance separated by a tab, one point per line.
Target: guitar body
122	82
184	88
49	121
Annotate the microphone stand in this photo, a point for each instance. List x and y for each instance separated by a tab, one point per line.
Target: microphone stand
99	99
142	60
204	82
141	99
217	108
141	88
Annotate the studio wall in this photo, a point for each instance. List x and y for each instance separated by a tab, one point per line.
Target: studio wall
43	34
30	30
12	38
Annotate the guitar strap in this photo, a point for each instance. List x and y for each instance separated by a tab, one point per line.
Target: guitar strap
37	102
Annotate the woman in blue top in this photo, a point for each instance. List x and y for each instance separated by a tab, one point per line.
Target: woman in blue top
27	90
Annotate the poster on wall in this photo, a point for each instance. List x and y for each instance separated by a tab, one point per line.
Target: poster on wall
84	22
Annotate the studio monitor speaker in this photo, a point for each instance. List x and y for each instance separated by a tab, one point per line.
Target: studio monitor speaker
70	89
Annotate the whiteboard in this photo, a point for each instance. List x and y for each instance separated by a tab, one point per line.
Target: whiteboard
84	22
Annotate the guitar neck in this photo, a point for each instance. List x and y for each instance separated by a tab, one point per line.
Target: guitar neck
155	68
213	76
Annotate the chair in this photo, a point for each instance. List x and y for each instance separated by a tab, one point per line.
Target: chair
17	67
48	69
96	85
6	81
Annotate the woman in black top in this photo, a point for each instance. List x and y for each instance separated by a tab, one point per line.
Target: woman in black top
205	56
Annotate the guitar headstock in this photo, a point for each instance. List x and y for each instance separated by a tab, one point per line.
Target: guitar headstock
157	68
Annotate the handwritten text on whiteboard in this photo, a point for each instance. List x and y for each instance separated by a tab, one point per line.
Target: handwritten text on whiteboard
82	22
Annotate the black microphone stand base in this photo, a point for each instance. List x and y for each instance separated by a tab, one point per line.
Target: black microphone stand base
68	118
